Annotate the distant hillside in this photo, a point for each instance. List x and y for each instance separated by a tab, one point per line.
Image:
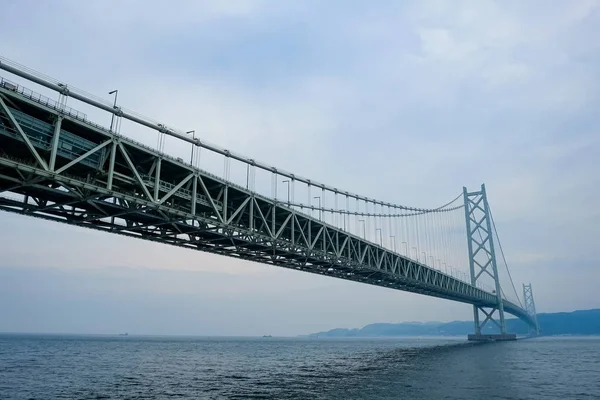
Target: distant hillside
582	322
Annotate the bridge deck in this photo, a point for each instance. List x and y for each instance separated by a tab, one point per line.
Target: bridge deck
67	169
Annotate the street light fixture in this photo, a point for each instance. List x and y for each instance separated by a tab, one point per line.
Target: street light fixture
380	237
112	118
320	211
288	190
193	138
364	228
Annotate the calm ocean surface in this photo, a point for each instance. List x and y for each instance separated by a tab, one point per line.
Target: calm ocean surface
88	367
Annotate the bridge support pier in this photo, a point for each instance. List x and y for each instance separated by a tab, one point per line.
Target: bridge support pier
482	263
492	337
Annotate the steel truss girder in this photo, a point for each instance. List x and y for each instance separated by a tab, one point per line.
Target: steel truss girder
133	193
328	251
4	108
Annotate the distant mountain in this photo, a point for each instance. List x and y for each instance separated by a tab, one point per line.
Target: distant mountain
581	322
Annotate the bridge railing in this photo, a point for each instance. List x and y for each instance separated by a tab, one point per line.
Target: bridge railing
44	100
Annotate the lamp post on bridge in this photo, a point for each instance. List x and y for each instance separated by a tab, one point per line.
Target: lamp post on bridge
405	248
251	162
320	211
112	118
393	240
424	257
288	190
193	138
416	253
380	237
364	228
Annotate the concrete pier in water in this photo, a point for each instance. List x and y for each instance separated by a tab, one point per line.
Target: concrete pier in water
492	338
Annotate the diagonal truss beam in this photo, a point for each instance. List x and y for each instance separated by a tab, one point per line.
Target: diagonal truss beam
210	199
176	188
135	172
25	138
83	156
239	210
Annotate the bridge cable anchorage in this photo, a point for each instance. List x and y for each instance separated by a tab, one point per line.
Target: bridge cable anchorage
504	258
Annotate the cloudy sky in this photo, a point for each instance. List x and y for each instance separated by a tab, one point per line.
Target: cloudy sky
401	101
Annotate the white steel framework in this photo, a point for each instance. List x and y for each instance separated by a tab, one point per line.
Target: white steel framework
57	165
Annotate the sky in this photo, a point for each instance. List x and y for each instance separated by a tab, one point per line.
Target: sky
401	101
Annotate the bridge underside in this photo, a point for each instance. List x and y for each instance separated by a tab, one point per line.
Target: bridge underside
56	165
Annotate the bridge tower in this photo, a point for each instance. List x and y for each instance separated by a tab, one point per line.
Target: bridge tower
482	262
530	307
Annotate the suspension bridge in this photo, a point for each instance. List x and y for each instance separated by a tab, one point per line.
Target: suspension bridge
56	164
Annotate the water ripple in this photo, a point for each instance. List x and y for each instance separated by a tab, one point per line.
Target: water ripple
85	367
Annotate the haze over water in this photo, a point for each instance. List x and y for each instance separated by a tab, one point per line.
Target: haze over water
103	367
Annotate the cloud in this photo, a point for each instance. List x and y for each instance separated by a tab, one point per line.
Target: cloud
405	101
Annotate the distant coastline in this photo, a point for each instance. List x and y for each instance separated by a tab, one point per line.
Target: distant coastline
580	322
